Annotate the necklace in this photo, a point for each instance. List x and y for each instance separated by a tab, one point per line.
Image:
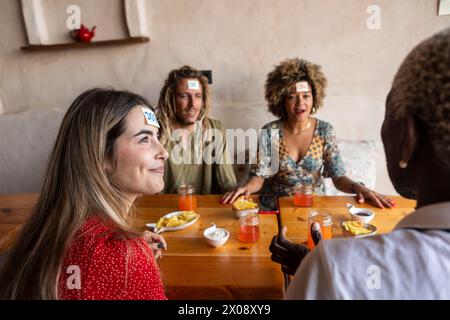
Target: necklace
301	130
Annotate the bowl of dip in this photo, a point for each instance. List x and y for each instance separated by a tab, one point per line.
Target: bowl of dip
360	214
216	237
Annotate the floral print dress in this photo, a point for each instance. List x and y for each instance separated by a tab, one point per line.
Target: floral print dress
282	174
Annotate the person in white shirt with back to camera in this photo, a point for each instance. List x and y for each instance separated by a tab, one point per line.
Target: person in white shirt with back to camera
413	261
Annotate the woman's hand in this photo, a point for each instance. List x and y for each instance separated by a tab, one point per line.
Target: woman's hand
231	196
365	194
254	184
156	243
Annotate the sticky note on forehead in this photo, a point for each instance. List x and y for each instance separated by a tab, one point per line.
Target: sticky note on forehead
302	86
150	117
193	85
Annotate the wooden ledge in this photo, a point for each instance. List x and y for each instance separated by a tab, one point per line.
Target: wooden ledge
81	45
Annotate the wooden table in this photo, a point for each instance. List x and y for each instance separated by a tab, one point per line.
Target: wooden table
14	210
296	218
190	268
194	270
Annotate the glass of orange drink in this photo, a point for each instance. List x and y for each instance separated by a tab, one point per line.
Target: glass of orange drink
187	201
325	221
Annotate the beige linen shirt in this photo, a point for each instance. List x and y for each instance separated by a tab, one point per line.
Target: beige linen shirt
412	262
207	177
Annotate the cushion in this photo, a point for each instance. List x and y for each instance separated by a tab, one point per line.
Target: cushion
360	165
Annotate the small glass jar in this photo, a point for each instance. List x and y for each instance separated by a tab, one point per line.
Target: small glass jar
249	228
187	201
303	195
325	221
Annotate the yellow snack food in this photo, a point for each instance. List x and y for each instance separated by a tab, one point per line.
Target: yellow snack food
356	228
176	220
188	215
242	204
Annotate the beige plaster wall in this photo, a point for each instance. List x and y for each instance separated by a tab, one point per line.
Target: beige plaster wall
239	40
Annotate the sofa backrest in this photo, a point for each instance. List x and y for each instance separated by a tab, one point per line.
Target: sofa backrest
359	161
26	139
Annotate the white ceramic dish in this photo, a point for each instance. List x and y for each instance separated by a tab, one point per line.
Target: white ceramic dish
365	225
169	215
216	242
360	214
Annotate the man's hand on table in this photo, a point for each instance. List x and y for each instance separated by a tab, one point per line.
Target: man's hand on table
290	254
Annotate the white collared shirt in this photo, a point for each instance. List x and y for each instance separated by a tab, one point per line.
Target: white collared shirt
412	262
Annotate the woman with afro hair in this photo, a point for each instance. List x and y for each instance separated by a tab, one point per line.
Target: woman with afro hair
299	148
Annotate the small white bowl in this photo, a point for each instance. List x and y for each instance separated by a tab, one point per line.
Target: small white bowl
360	214
216	242
240	213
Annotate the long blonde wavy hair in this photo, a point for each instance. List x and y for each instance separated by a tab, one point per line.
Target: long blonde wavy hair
76	186
167	104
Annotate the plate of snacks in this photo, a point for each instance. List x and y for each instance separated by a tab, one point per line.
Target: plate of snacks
358	229
173	221
242	206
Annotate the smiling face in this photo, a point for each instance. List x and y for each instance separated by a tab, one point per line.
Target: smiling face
188	100
298	104
139	157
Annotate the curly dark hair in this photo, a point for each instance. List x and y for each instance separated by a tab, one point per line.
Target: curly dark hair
421	88
284	75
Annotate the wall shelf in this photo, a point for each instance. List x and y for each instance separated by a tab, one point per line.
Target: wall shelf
81	45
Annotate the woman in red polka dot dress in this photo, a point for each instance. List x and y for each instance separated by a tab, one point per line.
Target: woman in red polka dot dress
79	242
